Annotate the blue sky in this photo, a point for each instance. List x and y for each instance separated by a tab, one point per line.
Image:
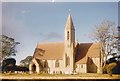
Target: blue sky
37	22
59	0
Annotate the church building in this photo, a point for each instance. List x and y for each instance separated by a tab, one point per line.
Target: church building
66	57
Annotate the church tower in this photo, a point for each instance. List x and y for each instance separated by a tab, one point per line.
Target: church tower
69	61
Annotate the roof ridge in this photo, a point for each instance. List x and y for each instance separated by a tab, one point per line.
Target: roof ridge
50	42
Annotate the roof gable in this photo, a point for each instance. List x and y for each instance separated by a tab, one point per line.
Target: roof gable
85	50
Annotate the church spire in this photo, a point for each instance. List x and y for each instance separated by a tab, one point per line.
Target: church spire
69	24
69	60
69	31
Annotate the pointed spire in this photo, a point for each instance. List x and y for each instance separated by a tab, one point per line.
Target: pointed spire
69	24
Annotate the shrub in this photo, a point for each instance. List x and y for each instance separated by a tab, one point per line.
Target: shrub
108	68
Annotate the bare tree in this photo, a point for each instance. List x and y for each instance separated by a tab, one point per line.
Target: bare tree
104	34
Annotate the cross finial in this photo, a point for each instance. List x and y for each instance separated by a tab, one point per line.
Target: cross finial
69	11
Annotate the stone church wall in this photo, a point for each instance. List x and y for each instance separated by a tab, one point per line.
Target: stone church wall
97	63
53	69
93	65
81	68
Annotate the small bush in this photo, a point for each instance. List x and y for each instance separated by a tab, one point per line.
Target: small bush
108	68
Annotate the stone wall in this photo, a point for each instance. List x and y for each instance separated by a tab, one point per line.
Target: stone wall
81	68
97	63
93	65
53	69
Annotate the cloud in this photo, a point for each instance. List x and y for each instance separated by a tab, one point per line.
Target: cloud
25	11
54	35
41	34
51	35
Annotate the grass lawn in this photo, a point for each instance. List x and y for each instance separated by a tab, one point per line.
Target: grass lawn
63	76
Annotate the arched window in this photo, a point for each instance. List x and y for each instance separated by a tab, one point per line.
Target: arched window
56	63
68	61
90	60
81	66
68	35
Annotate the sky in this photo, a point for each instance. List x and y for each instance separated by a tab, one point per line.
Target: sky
59	0
31	23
